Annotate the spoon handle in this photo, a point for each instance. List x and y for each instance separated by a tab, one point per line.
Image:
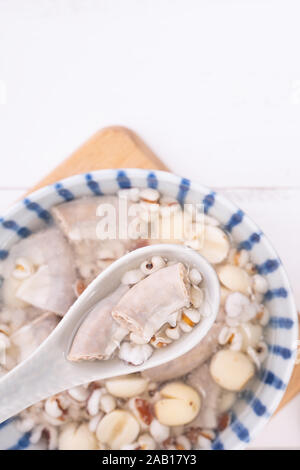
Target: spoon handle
47	372
38	377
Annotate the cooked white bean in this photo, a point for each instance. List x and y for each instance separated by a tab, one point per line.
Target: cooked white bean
126	386
235	278
117	429
73	437
215	244
180	404
231	369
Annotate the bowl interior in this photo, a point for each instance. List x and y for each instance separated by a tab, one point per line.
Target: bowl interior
259	401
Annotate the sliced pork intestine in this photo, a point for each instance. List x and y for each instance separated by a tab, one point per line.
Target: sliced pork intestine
201	380
30	336
52	257
15	318
189	361
78	220
149	304
99	335
45	289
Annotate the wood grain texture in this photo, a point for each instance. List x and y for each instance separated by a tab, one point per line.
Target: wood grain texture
118	147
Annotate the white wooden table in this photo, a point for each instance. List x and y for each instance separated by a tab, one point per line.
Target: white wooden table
213	86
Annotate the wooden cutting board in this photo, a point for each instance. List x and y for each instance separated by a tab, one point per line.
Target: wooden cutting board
112	147
118	147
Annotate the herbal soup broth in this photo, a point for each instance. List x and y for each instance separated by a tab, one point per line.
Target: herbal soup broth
178	405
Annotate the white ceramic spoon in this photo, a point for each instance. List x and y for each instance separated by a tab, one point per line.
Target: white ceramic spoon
47	371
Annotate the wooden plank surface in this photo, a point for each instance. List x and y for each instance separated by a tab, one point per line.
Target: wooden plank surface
118	147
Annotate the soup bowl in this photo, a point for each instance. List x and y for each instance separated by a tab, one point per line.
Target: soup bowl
257	403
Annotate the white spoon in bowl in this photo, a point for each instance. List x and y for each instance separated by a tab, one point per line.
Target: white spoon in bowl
48	371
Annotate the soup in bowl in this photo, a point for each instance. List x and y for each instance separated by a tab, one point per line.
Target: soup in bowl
218	395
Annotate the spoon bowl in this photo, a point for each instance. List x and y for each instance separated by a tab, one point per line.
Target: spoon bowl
48	371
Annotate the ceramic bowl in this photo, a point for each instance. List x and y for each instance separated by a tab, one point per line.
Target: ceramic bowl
255	404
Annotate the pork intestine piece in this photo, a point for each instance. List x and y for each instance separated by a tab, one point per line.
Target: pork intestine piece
99	335
50	287
189	361
202	381
78	221
78	218
18	317
149	304
30	336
